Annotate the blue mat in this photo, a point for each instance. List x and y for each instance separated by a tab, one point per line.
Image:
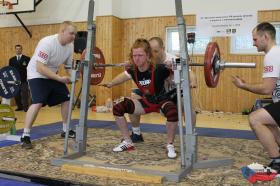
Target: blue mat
10	182
55	128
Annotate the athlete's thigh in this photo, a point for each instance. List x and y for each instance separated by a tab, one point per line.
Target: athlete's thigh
139	109
261	115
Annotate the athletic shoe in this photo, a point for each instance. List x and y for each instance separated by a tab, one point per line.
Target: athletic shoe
257	172
124	146
71	134
170	150
275	166
136	138
25	142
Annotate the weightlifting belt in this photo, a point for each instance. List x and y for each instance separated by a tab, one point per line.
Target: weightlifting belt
147	92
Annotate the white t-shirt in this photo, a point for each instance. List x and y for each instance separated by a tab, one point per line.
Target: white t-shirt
272	69
50	52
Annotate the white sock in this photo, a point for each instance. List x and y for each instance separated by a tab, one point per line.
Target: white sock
26	132
136	130
128	141
64	127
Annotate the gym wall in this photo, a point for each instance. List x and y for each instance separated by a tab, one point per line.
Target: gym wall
77	9
225	97
115	37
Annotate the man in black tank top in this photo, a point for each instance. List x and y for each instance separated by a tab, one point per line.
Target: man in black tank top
149	79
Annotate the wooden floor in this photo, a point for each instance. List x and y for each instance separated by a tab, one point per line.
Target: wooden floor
204	119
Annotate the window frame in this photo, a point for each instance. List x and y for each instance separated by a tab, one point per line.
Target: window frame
252	50
191	47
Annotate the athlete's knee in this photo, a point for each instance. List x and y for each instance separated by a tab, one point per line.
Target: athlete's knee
170	112
125	106
37	105
253	119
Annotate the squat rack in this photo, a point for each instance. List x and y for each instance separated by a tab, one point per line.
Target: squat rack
188	138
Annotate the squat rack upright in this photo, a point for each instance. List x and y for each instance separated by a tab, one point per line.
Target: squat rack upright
188	138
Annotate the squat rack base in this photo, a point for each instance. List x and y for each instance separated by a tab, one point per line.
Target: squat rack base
73	164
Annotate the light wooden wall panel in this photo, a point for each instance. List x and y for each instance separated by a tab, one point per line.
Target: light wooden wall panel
115	36
9	37
103	41
117	54
109	39
226	97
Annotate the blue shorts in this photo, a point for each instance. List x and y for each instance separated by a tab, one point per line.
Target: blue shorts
48	91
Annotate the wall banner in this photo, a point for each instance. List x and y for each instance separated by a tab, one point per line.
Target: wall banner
226	24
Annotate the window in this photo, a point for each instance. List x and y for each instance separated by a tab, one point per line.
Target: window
173	46
244	44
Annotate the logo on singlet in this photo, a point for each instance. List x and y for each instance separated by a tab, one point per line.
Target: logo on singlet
145	82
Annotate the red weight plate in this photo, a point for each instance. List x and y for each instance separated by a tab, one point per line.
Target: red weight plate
212	55
98	73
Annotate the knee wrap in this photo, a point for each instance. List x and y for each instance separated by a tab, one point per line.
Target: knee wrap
170	112
125	106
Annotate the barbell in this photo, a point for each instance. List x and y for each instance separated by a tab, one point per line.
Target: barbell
213	64
9	82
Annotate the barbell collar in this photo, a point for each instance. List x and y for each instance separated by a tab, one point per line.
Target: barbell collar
222	65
